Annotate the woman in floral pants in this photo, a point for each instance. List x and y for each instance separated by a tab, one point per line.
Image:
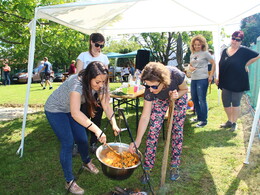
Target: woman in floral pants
163	84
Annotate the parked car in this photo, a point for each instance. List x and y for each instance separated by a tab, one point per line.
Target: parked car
58	77
22	76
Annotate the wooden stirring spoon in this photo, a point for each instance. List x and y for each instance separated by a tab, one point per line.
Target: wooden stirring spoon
112	149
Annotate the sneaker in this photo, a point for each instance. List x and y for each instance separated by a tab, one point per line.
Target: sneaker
41	84
44	88
201	124
50	87
174	173
194	120
233	127
90	167
145	178
226	125
73	188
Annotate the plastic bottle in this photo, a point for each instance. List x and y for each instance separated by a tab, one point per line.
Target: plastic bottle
130	78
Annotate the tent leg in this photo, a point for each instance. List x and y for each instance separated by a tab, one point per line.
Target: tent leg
253	130
32	26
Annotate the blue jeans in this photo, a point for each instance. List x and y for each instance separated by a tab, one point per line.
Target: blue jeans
7	78
198	94
68	130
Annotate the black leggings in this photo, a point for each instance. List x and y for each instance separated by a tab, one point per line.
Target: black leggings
230	98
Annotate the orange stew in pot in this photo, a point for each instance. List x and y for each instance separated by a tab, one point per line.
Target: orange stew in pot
126	159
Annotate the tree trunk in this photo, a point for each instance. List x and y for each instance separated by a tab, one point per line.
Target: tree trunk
179	54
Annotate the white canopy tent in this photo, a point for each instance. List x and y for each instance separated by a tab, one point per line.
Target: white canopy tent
136	16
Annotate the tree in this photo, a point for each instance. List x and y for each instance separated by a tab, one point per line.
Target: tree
124	45
60	44
251	27
179	52
164	44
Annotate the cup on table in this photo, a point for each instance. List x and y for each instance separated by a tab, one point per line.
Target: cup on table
136	88
124	90
131	90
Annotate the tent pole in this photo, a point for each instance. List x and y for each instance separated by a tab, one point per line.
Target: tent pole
253	130
216	44
32	26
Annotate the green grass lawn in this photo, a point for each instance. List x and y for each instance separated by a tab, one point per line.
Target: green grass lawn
15	94
212	158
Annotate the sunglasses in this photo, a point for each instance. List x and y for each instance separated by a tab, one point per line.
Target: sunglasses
153	86
98	45
238	40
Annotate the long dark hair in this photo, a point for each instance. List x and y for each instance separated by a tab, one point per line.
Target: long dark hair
93	69
95	37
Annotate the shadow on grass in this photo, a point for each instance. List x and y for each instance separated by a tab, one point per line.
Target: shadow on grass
39	170
248	173
195	170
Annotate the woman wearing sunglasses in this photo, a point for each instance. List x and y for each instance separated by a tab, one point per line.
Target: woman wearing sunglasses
163	84
233	77
96	43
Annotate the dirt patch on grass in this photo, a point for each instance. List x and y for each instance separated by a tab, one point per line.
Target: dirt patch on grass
21	105
12	111
250	173
246	119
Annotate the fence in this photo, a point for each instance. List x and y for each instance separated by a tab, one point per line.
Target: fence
254	77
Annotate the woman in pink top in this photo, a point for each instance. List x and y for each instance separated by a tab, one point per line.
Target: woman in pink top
7	70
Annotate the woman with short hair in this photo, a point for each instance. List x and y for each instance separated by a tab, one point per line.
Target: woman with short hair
163	84
233	77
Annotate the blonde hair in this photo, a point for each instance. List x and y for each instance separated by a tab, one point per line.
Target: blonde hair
156	71
202	40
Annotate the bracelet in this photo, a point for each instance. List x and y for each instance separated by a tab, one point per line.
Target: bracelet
89	125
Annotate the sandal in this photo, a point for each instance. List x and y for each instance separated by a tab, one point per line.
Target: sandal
90	167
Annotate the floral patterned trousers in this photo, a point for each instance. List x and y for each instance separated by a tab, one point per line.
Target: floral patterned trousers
159	108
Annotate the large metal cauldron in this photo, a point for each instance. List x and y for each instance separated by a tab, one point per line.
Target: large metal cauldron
114	172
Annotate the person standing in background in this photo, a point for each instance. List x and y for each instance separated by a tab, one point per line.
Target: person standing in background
42	74
132	69
200	78
125	73
7	70
96	43
233	77
72	69
47	70
209	64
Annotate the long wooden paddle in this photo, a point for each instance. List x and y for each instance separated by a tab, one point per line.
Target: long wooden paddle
167	143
